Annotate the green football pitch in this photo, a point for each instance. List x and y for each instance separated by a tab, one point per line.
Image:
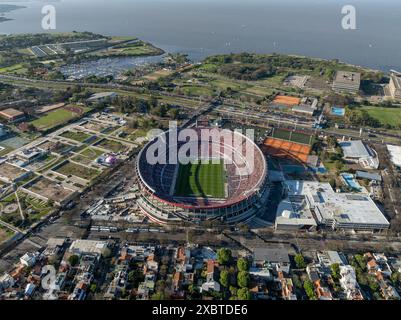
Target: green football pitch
293	136
206	180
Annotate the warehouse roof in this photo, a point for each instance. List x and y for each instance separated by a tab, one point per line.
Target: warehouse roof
355	149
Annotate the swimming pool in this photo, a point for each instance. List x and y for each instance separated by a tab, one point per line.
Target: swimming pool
350	181
337	111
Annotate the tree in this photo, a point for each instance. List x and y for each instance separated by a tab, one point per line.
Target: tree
233	291
224	256
173	114
135	277
310	290
332	142
93	287
244	294
396	277
242	264
225	278
106	253
335	271
159	296
361	260
297	282
73	260
153	102
300	261
243	279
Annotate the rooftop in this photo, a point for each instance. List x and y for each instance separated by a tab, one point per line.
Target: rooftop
348	78
11	172
101	95
29	153
397	80
294	211
304	108
11	113
355	149
344	208
88	246
368	176
395	153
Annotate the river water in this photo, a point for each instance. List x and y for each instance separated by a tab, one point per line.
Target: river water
204	27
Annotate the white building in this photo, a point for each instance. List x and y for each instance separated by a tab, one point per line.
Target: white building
211	286
28	259
6	281
348	82
349	284
328	258
338	210
101	96
395	86
30	289
88	246
395	153
356	151
294	213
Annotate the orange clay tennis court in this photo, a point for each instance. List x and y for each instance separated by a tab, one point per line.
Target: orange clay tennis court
290	101
287	149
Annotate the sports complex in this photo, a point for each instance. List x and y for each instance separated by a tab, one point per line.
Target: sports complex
229	187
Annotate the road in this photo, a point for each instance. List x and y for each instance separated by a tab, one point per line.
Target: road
232	108
267	119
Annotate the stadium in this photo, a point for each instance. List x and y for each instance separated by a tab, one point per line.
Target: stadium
204	189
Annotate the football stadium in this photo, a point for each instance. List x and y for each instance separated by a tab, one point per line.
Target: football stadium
228	188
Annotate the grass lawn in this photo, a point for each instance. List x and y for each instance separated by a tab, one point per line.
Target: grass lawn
224	84
111	145
260	91
5	234
390	116
293	136
82	160
197	91
92	153
130	49
198	179
76	135
16	69
37	210
139	133
73	169
158	74
54	119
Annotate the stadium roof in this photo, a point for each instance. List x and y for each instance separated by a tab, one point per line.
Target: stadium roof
355	149
244	179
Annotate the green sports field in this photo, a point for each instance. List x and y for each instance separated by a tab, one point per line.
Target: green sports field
293	136
206	180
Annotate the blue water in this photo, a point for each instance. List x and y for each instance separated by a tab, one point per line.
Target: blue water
204	27
340	112
351	182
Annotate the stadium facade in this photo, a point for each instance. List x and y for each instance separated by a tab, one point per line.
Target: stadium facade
246	184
